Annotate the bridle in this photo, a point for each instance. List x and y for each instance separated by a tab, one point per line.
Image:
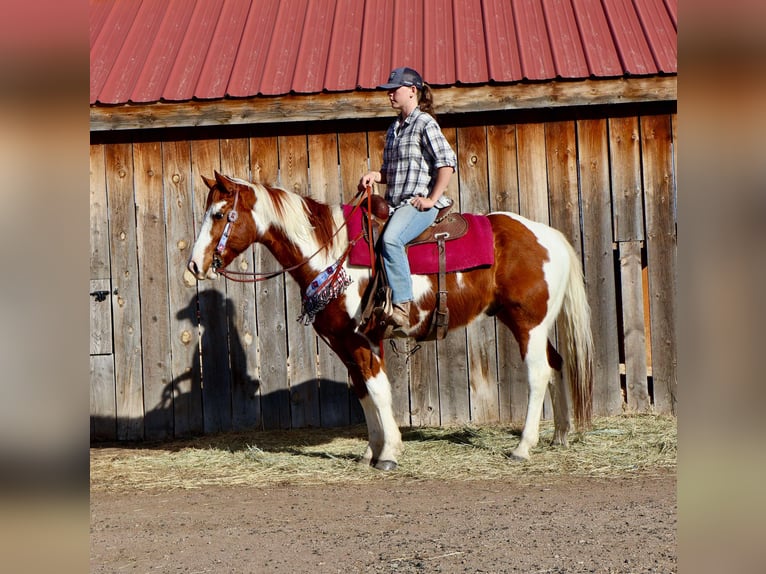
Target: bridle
254	276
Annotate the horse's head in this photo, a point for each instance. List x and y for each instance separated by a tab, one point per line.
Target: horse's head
227	227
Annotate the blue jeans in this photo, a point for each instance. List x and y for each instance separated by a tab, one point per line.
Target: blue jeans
404	225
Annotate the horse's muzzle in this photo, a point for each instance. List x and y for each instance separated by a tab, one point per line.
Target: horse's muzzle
198	273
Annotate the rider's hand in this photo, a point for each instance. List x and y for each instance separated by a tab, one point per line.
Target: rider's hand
367	180
422	203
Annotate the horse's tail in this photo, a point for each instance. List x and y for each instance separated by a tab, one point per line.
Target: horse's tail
578	343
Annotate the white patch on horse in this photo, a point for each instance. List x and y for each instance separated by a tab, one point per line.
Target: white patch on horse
556	268
379	392
421	287
205	237
353	298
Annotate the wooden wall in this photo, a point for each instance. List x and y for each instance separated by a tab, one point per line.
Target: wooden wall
171	359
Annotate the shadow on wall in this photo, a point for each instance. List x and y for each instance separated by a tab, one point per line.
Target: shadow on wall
217	393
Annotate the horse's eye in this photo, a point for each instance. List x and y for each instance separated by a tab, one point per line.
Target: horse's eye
218	215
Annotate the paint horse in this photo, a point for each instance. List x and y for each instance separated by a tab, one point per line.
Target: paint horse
536	275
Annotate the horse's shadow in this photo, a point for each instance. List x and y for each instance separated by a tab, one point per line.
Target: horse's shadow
216	401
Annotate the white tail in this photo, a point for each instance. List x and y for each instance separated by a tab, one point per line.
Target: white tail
578	343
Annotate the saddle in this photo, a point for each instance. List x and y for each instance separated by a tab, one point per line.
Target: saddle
448	225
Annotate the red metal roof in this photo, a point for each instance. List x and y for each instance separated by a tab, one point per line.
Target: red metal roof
144	51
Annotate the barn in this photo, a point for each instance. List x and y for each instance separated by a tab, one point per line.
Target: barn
561	110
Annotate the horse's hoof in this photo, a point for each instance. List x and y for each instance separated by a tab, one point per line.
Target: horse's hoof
517	458
386	465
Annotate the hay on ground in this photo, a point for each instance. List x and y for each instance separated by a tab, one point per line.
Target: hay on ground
615	446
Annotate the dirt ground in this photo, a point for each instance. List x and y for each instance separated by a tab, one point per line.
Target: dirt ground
562	525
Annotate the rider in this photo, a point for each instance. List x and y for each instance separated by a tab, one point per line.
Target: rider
418	163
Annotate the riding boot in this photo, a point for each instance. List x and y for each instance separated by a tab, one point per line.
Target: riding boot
400	318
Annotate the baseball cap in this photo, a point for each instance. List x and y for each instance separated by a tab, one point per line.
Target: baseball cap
403	77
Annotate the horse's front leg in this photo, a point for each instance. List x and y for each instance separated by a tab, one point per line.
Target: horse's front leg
385	440
373	389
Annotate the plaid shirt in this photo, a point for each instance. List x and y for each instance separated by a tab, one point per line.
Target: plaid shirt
415	149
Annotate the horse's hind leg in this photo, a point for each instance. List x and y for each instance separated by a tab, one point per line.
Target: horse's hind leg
538	373
559	397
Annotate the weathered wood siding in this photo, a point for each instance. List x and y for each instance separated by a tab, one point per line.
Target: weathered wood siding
172	359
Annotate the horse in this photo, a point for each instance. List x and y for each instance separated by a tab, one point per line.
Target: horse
535	277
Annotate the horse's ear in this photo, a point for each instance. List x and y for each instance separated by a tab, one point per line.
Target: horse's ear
210	183
224	183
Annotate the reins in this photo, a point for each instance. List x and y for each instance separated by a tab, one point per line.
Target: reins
254	276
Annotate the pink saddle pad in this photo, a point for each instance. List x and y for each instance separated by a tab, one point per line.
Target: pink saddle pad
474	249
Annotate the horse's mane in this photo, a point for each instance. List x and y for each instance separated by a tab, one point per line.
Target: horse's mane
308	222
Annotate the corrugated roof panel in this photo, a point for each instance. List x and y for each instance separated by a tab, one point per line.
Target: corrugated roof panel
216	71
439	35
566	45
343	59
106	47
377	34
534	44
247	72
672	6
176	50
130	62
660	32
629	38
159	62
97	15
503	60
407	42
600	51
470	44
315	46
281	60
183	78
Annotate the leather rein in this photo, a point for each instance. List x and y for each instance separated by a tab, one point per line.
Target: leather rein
254	277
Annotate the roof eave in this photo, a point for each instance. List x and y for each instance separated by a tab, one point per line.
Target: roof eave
370	104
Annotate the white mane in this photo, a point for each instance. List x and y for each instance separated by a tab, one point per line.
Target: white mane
292	217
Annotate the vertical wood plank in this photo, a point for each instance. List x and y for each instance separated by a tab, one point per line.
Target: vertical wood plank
599	263
533	190
453	379
101	311
564	201
245	400
99	216
503	181
423	386
624	155
354	163
153	283
100	317
102	381
482	359
352	152
325	185
270	306
185	365
561	149
304	387
636	384
661	243
406	389
103	408
533	173
125	294
216	371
